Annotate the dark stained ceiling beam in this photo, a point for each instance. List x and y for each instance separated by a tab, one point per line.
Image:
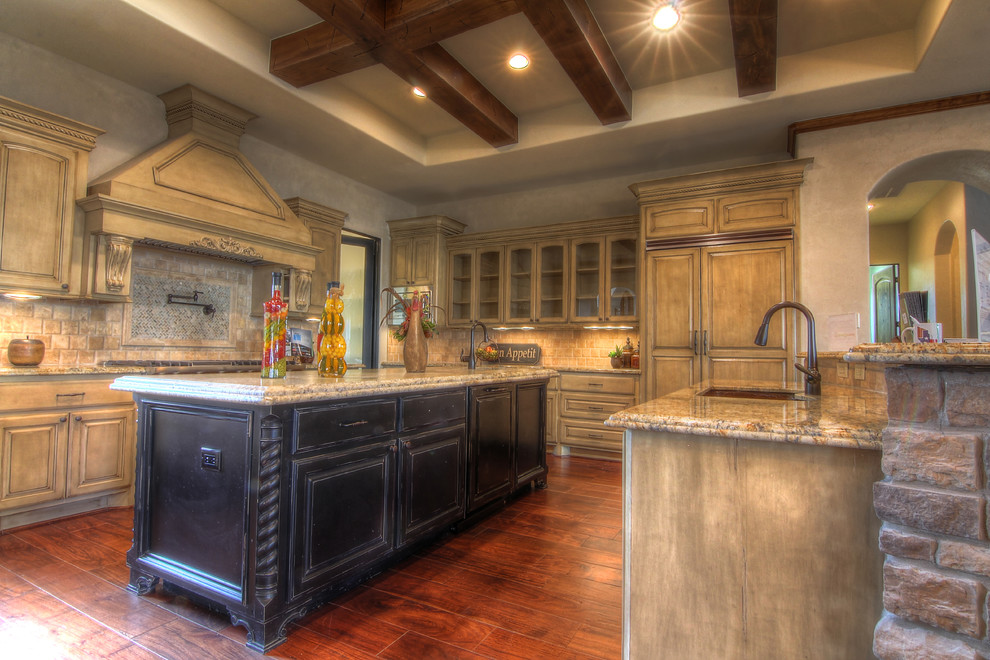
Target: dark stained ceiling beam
322	51
431	68
572	34
754	41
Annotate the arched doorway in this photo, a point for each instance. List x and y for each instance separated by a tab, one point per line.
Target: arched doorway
949	281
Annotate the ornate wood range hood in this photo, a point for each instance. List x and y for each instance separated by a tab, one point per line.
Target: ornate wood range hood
195	192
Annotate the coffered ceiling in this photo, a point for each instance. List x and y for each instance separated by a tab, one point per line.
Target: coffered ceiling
605	94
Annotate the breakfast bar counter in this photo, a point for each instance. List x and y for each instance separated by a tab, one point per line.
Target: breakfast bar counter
749	529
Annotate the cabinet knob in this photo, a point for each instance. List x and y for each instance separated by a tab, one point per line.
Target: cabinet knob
407	444
78	418
63	419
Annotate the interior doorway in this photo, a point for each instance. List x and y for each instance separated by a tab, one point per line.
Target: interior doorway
359	257
884	302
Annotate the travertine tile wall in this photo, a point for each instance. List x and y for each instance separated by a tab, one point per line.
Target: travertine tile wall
933	504
564	347
82	333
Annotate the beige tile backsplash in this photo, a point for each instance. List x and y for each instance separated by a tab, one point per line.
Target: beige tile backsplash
82	333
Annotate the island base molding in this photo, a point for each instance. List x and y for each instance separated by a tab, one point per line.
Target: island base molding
933	504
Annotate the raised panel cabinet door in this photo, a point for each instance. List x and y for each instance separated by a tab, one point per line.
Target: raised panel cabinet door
531	445
32	458
461	294
680	218
740	283
101	450
520	284
36	215
490	443
587	279
343	512
764	209
431	482
424	259
674	333
551	282
401	261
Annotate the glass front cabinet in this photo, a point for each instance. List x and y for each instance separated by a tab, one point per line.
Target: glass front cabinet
475	286
536	281
603	279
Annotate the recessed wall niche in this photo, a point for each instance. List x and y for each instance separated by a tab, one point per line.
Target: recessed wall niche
152	322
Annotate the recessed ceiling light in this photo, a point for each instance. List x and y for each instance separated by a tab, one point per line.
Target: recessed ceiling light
518	61
869	206
666	16
418	92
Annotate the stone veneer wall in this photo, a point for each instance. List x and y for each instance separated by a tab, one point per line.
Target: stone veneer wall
561	347
80	333
933	504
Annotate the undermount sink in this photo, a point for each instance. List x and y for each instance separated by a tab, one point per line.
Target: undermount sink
743	393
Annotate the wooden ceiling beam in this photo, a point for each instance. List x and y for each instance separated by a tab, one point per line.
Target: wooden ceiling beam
445	81
572	34
322	51
754	42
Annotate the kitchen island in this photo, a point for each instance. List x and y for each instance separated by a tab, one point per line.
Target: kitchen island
749	529
270	497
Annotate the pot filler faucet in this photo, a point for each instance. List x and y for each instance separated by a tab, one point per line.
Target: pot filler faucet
472	358
812	377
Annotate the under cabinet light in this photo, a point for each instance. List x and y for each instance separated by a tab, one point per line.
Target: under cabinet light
609	327
22	296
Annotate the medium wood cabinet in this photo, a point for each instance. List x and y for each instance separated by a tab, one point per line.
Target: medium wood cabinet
587	399
604	278
63	450
413	260
418	257
43	170
475	286
708	304
537	282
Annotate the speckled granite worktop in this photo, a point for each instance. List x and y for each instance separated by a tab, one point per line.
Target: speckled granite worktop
948	354
56	370
840	417
300	386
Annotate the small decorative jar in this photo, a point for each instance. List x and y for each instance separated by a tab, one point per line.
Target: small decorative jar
25	352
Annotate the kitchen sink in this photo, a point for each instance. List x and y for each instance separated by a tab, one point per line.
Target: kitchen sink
743	393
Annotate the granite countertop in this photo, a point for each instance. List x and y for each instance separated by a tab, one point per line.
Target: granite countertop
299	386
56	370
589	370
840	417
947	354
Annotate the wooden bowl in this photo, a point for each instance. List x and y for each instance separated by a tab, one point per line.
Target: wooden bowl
25	352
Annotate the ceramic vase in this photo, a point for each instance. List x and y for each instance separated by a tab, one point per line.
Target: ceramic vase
415	351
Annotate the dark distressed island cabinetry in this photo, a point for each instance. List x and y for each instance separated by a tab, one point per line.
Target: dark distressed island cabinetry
270	499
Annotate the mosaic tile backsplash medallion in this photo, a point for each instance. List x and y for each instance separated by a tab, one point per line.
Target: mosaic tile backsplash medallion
152	321
82	333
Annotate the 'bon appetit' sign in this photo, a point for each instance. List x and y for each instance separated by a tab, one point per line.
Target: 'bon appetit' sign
519	353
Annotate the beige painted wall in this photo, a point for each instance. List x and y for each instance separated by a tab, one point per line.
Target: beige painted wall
889	245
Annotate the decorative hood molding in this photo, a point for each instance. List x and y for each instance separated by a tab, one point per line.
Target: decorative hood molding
197	192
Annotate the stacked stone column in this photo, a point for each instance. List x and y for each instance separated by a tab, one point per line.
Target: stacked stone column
933	504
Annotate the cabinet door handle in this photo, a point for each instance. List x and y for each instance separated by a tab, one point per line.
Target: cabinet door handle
72	394
596	384
694	342
597	436
344	425
595	408
705	342
495	389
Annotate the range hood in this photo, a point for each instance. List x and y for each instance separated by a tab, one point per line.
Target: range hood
195	192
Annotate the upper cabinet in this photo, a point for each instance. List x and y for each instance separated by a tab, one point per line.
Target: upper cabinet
418	249
43	170
558	274
309	290
755	198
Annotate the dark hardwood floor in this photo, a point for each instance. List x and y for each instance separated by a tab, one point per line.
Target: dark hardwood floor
540	579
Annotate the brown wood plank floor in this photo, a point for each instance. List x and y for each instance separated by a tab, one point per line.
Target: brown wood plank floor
540	579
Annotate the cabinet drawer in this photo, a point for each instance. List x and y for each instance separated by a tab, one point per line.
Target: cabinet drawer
321	425
590	435
59	394
598	383
432	411
600	407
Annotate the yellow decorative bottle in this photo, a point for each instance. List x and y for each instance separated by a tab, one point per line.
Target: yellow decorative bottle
333	346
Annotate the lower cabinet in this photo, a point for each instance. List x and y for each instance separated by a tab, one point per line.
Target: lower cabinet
63	456
587	399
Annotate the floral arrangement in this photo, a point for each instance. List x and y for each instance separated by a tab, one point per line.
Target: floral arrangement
399	334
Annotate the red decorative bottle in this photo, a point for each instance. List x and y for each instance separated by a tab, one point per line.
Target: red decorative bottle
276	310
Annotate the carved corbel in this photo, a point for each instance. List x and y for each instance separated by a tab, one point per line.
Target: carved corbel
118	261
302	285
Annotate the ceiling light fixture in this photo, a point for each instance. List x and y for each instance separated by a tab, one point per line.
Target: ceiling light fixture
518	61
666	16
418	92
